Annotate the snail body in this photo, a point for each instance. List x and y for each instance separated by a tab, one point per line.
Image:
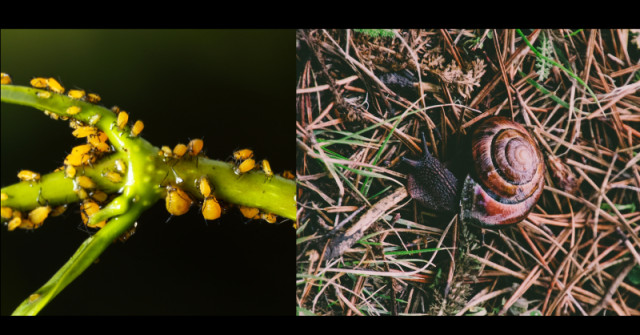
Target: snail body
501	188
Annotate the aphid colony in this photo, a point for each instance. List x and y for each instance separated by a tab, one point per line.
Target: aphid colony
80	156
177	200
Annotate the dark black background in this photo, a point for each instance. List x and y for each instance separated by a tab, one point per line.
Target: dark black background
234	88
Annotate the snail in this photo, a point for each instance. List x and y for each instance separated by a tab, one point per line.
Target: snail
500	189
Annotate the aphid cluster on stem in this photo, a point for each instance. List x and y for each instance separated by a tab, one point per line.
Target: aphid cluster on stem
81	155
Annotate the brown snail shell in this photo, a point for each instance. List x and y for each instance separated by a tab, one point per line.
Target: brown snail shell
508	174
502	187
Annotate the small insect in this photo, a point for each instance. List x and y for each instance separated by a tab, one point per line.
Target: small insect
50	114
73	110
73	160
44	95
58	210
88	209
38	215
5	79
242	154
34	297
249	212
99	141
165	151
76	94
85	182
127	235
26	175
179	150
137	128
269	217
266	167
81	149
39	82
94	119
113	176
195	146
246	166
120	166
55	86
99	196
211	209
93	98
6	212
204	186
177	201
123	118
287	174
81	132
70	171
15	222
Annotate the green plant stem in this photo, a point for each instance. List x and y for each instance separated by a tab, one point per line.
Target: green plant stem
86	254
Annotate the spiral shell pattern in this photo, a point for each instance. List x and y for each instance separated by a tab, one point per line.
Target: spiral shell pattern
508	174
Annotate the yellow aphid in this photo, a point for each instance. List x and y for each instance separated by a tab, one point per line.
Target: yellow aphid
205	187
195	146
4	196
44	95
98	141
99	196
93	98
14	223
75	124
5	79
102	147
82	194
249	212
179	150
73	110
123	118
266	167
70	171
84	131
94	119
287	174
177	201
39	82
81	149
6	212
48	113
87	210
38	215
76	94
34	297
55	86
73	160
269	217
85	182
242	154
245	166
26	175
58	210
165	151
137	128
211	208
120	166
113	176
